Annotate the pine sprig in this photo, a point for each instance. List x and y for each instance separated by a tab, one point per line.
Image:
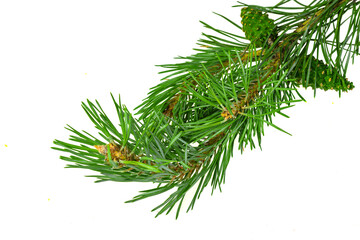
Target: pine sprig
228	91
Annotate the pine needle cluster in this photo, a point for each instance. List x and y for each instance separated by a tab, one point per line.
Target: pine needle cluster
228	91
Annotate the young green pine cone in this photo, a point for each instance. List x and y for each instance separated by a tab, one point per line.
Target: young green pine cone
326	78
257	26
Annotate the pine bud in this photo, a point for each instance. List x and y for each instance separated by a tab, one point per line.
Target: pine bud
323	77
257	26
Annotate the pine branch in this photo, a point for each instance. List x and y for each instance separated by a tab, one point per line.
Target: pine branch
228	90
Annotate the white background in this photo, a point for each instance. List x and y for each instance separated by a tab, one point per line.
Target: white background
55	54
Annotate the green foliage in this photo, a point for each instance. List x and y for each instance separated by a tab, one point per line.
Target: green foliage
224	94
156	143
